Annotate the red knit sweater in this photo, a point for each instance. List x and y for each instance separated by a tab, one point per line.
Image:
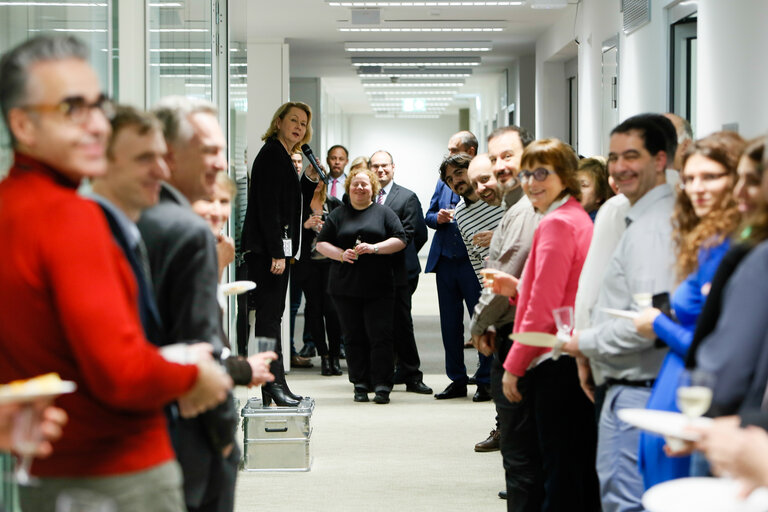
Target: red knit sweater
550	277
68	304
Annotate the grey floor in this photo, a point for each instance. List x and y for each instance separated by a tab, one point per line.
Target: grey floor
414	454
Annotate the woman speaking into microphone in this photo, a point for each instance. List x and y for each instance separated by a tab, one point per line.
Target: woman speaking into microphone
272	231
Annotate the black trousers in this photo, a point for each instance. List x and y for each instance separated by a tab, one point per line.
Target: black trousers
268	303
518	442
320	314
408	361
367	327
567	437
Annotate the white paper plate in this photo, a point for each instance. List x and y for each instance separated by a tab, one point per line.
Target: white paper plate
666	423
237	287
27	394
703	495
621	313
535	339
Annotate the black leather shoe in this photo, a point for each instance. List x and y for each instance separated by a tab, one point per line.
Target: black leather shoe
274	392
503	495
454	390
472	381
301	362
419	387
325	366
382	397
483	394
491	444
335	366
308	350
361	395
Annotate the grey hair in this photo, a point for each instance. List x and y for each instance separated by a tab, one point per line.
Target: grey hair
15	64
173	113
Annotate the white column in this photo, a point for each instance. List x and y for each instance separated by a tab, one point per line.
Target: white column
132	48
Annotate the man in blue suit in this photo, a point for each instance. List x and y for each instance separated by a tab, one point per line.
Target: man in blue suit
456	280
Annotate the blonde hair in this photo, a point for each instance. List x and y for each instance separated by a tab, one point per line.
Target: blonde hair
375	186
227	183
361	160
280	115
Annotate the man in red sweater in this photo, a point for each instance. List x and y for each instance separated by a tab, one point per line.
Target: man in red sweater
68	297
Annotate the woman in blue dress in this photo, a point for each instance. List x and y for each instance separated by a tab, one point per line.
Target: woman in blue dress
705	216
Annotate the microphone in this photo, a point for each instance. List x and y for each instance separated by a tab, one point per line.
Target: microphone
311	156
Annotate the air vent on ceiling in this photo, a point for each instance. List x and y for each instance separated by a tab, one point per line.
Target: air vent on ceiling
636	14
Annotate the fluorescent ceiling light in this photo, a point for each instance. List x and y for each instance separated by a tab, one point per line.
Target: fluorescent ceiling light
179	50
185	76
414	84
169	4
442	94
197	85
406	116
406	62
178	30
180	65
76	30
52	4
415	75
443	3
421	29
419	46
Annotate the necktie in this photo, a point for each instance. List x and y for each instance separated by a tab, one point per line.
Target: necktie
141	254
333	187
380	197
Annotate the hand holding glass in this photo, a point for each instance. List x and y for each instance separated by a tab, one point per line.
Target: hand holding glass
265	345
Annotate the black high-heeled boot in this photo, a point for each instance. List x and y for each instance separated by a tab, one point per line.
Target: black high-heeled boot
325	366
273	391
335	366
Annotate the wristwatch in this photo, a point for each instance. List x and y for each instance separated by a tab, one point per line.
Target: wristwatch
375	248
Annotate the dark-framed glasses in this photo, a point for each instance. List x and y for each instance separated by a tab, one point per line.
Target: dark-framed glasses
77	108
539	174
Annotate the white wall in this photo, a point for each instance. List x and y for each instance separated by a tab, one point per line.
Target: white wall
417	147
732	41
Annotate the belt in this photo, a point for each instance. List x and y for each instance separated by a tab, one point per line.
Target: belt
648	383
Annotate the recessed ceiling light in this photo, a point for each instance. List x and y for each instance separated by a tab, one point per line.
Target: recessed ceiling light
180	65
178	30
414	75
443	94
52	4
426	84
75	30
179	50
419	46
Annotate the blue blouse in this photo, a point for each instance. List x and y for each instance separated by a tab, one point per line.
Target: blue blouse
687	302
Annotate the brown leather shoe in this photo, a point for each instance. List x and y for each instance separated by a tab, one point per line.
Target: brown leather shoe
301	362
491	444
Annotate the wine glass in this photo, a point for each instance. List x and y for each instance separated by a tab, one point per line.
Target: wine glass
25	438
564	321
265	345
318	212
451	209
488	271
81	500
694	392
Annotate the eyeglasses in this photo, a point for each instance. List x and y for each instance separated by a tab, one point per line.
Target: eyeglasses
77	109
707	179
539	174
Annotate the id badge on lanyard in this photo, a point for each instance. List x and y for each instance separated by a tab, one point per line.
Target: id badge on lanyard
287	243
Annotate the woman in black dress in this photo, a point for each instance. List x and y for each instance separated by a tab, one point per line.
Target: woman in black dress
272	231
359	237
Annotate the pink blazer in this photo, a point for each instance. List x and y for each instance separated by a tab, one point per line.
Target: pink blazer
550	277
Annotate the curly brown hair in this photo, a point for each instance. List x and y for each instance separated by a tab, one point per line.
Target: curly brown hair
692	233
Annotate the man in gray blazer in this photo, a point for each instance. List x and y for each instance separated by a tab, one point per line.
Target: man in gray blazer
182	256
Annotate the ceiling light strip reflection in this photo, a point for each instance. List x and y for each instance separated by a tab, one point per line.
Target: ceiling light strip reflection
421	29
444	3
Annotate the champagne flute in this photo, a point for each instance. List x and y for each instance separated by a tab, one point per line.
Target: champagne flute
25	438
451	209
564	321
317	213
694	392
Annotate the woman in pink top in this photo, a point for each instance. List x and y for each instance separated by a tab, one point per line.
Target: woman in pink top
548	389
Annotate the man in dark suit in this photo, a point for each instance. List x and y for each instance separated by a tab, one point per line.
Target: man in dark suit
183	261
408	208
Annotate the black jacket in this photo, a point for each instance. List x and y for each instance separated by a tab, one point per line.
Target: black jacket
275	200
406	205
